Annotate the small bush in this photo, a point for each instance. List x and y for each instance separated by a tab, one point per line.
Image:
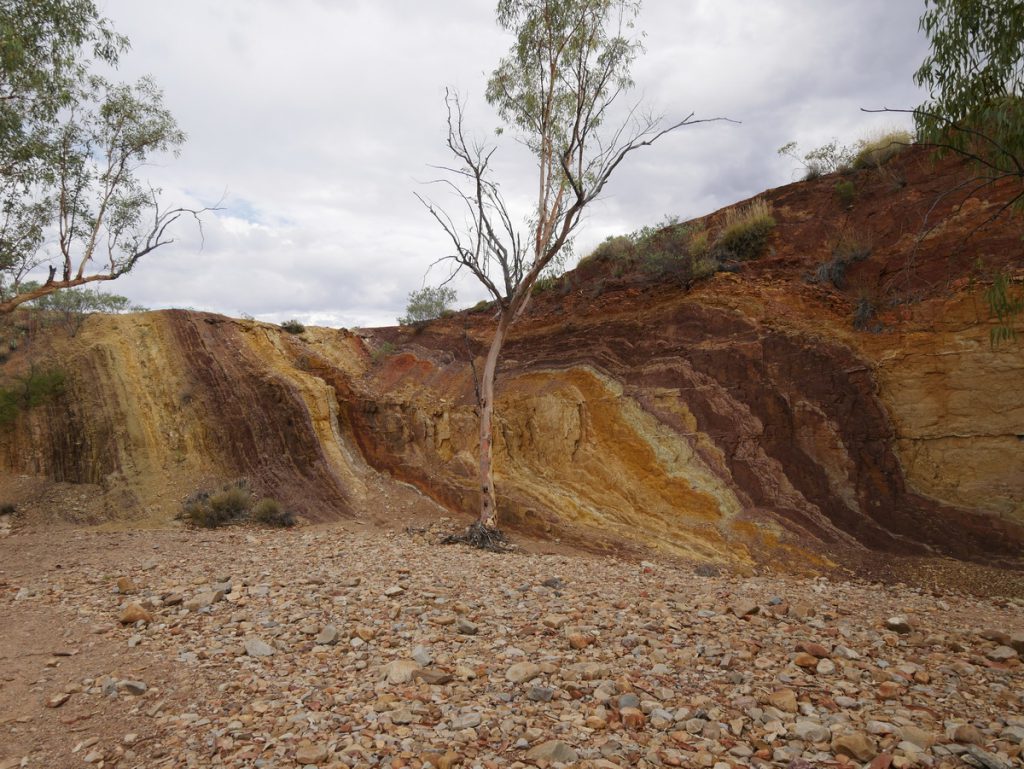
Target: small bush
30	390
745	232
826	159
386	348
846	192
207	510
615	248
9	406
544	283
875	151
293	327
679	253
270	513
865	309
703	266
699	245
849	250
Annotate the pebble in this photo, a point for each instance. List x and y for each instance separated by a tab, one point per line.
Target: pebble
619	667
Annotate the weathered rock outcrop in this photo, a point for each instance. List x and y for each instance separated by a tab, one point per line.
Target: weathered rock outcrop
741	419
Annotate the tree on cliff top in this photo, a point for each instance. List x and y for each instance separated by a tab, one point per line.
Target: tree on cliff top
71	144
556	87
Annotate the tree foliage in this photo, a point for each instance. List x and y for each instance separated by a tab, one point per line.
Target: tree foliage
71	145
428	303
975	79
71	306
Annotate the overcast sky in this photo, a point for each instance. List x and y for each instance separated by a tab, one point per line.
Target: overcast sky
317	120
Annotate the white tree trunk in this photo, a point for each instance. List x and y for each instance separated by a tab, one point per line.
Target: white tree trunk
488	509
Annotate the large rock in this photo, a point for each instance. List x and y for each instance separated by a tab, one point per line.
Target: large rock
327	636
784	700
135	612
311	754
522	672
856	745
256	647
552	751
811	731
400	671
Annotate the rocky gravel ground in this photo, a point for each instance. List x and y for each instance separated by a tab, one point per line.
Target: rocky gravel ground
338	647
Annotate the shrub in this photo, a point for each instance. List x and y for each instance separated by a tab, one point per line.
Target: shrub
270	513
846	192
614	248
386	348
745	231
847	251
703	266
71	306
865	310
30	390
230	504
544	283
662	249
293	327
676	252
699	244
877	150
427	304
8	406
826	159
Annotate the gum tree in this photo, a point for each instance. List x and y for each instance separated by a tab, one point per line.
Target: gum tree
72	144
975	80
557	89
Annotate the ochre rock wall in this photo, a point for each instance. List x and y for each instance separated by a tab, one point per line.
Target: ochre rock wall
741	419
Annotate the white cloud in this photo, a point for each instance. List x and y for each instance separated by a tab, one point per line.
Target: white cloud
320	119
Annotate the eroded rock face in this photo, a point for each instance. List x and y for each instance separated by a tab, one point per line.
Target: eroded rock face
741	421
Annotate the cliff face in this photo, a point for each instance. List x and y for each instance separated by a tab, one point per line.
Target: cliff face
740	420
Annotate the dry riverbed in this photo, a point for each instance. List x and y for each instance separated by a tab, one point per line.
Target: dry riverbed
338	647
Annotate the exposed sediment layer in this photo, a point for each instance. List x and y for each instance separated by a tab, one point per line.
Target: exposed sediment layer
740	420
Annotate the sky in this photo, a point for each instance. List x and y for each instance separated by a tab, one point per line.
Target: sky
313	123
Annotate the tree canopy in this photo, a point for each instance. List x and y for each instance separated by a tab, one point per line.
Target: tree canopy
974	74
71	145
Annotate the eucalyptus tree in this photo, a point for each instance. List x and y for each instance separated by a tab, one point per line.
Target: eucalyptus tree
558	90
974	74
72	144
